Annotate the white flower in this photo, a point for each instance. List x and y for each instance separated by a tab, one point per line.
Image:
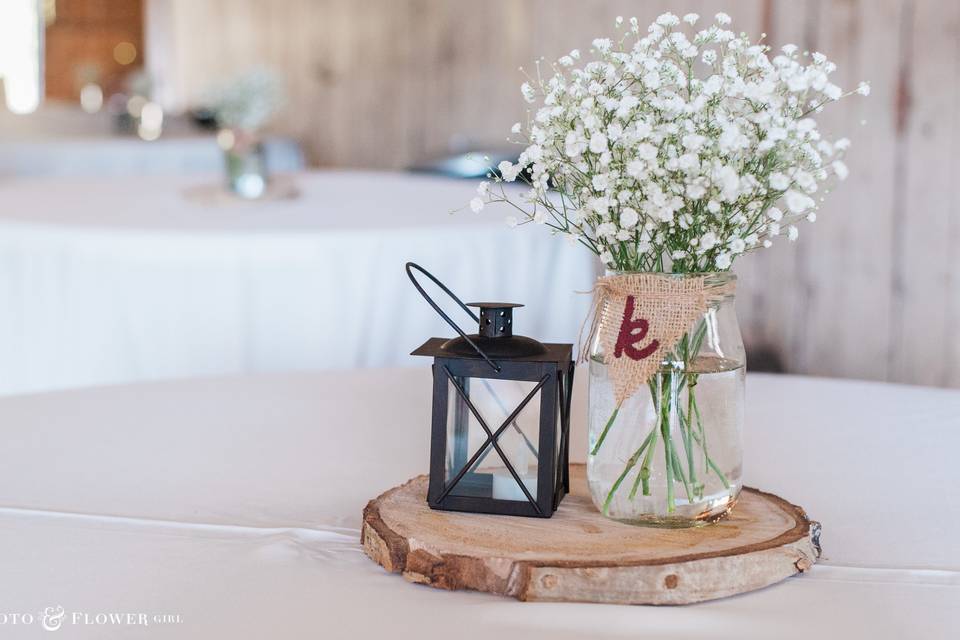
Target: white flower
708	241
600	206
509	171
575	54
863	88
606	258
483	189
722	261
728	180
601	181
527	91
652	80
566	61
598	143
798	83
722	18
713	206
692	141
688	162
691	18
636	168
842	144
695	191
737	245
511	221
797	202
778	181
792	233
668	20
833	92
629	218
840	169
516	128
646	151
602	44
476	205
774	214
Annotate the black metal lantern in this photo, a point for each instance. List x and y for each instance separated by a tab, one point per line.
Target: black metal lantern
501	415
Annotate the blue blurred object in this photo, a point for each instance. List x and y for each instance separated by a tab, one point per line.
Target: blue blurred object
467	165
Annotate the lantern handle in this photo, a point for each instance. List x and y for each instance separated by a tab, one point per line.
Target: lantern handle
410	266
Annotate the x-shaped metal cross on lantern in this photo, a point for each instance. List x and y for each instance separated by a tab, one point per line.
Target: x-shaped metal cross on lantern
492	437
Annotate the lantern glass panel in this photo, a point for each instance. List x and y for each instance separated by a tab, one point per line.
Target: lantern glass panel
495	401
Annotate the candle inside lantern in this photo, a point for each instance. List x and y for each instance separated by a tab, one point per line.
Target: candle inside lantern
505	486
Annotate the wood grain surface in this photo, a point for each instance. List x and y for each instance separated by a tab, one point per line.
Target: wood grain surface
580	556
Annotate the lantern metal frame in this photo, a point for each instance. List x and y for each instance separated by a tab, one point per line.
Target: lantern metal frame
551	372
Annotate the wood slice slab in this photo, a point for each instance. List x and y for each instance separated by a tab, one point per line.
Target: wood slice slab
580	556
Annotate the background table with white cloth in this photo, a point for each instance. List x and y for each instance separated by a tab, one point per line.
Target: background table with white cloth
234	504
66	142
107	280
123	157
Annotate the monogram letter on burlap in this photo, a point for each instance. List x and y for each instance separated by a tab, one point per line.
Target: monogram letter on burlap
641	316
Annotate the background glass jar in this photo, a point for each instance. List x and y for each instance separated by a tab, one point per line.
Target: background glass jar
671	454
245	161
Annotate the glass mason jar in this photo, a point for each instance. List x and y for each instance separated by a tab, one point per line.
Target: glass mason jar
670	455
246	164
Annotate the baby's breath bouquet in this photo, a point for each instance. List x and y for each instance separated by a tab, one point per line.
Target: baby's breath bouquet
247	101
672	151
675	152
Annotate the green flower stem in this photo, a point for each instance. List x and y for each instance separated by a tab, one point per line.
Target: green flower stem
688	430
713	466
606	429
702	441
667	441
645	467
631	463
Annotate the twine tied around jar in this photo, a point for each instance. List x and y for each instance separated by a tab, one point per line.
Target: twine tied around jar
641	316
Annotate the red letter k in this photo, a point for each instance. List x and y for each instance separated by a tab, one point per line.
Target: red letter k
631	332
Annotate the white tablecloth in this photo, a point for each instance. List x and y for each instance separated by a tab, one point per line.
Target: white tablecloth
107	281
235	505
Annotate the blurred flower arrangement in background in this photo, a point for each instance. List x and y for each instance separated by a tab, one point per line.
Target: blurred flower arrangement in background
247	102
242	106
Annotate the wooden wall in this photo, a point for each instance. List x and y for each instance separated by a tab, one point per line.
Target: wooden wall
871	290
79	43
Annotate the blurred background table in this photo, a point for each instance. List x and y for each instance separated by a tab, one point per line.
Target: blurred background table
60	141
105	280
235	503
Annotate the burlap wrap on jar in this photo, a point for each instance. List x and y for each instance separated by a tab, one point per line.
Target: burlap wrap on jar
641	316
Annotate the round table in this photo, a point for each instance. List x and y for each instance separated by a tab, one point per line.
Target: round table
62	140
230	508
110	281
